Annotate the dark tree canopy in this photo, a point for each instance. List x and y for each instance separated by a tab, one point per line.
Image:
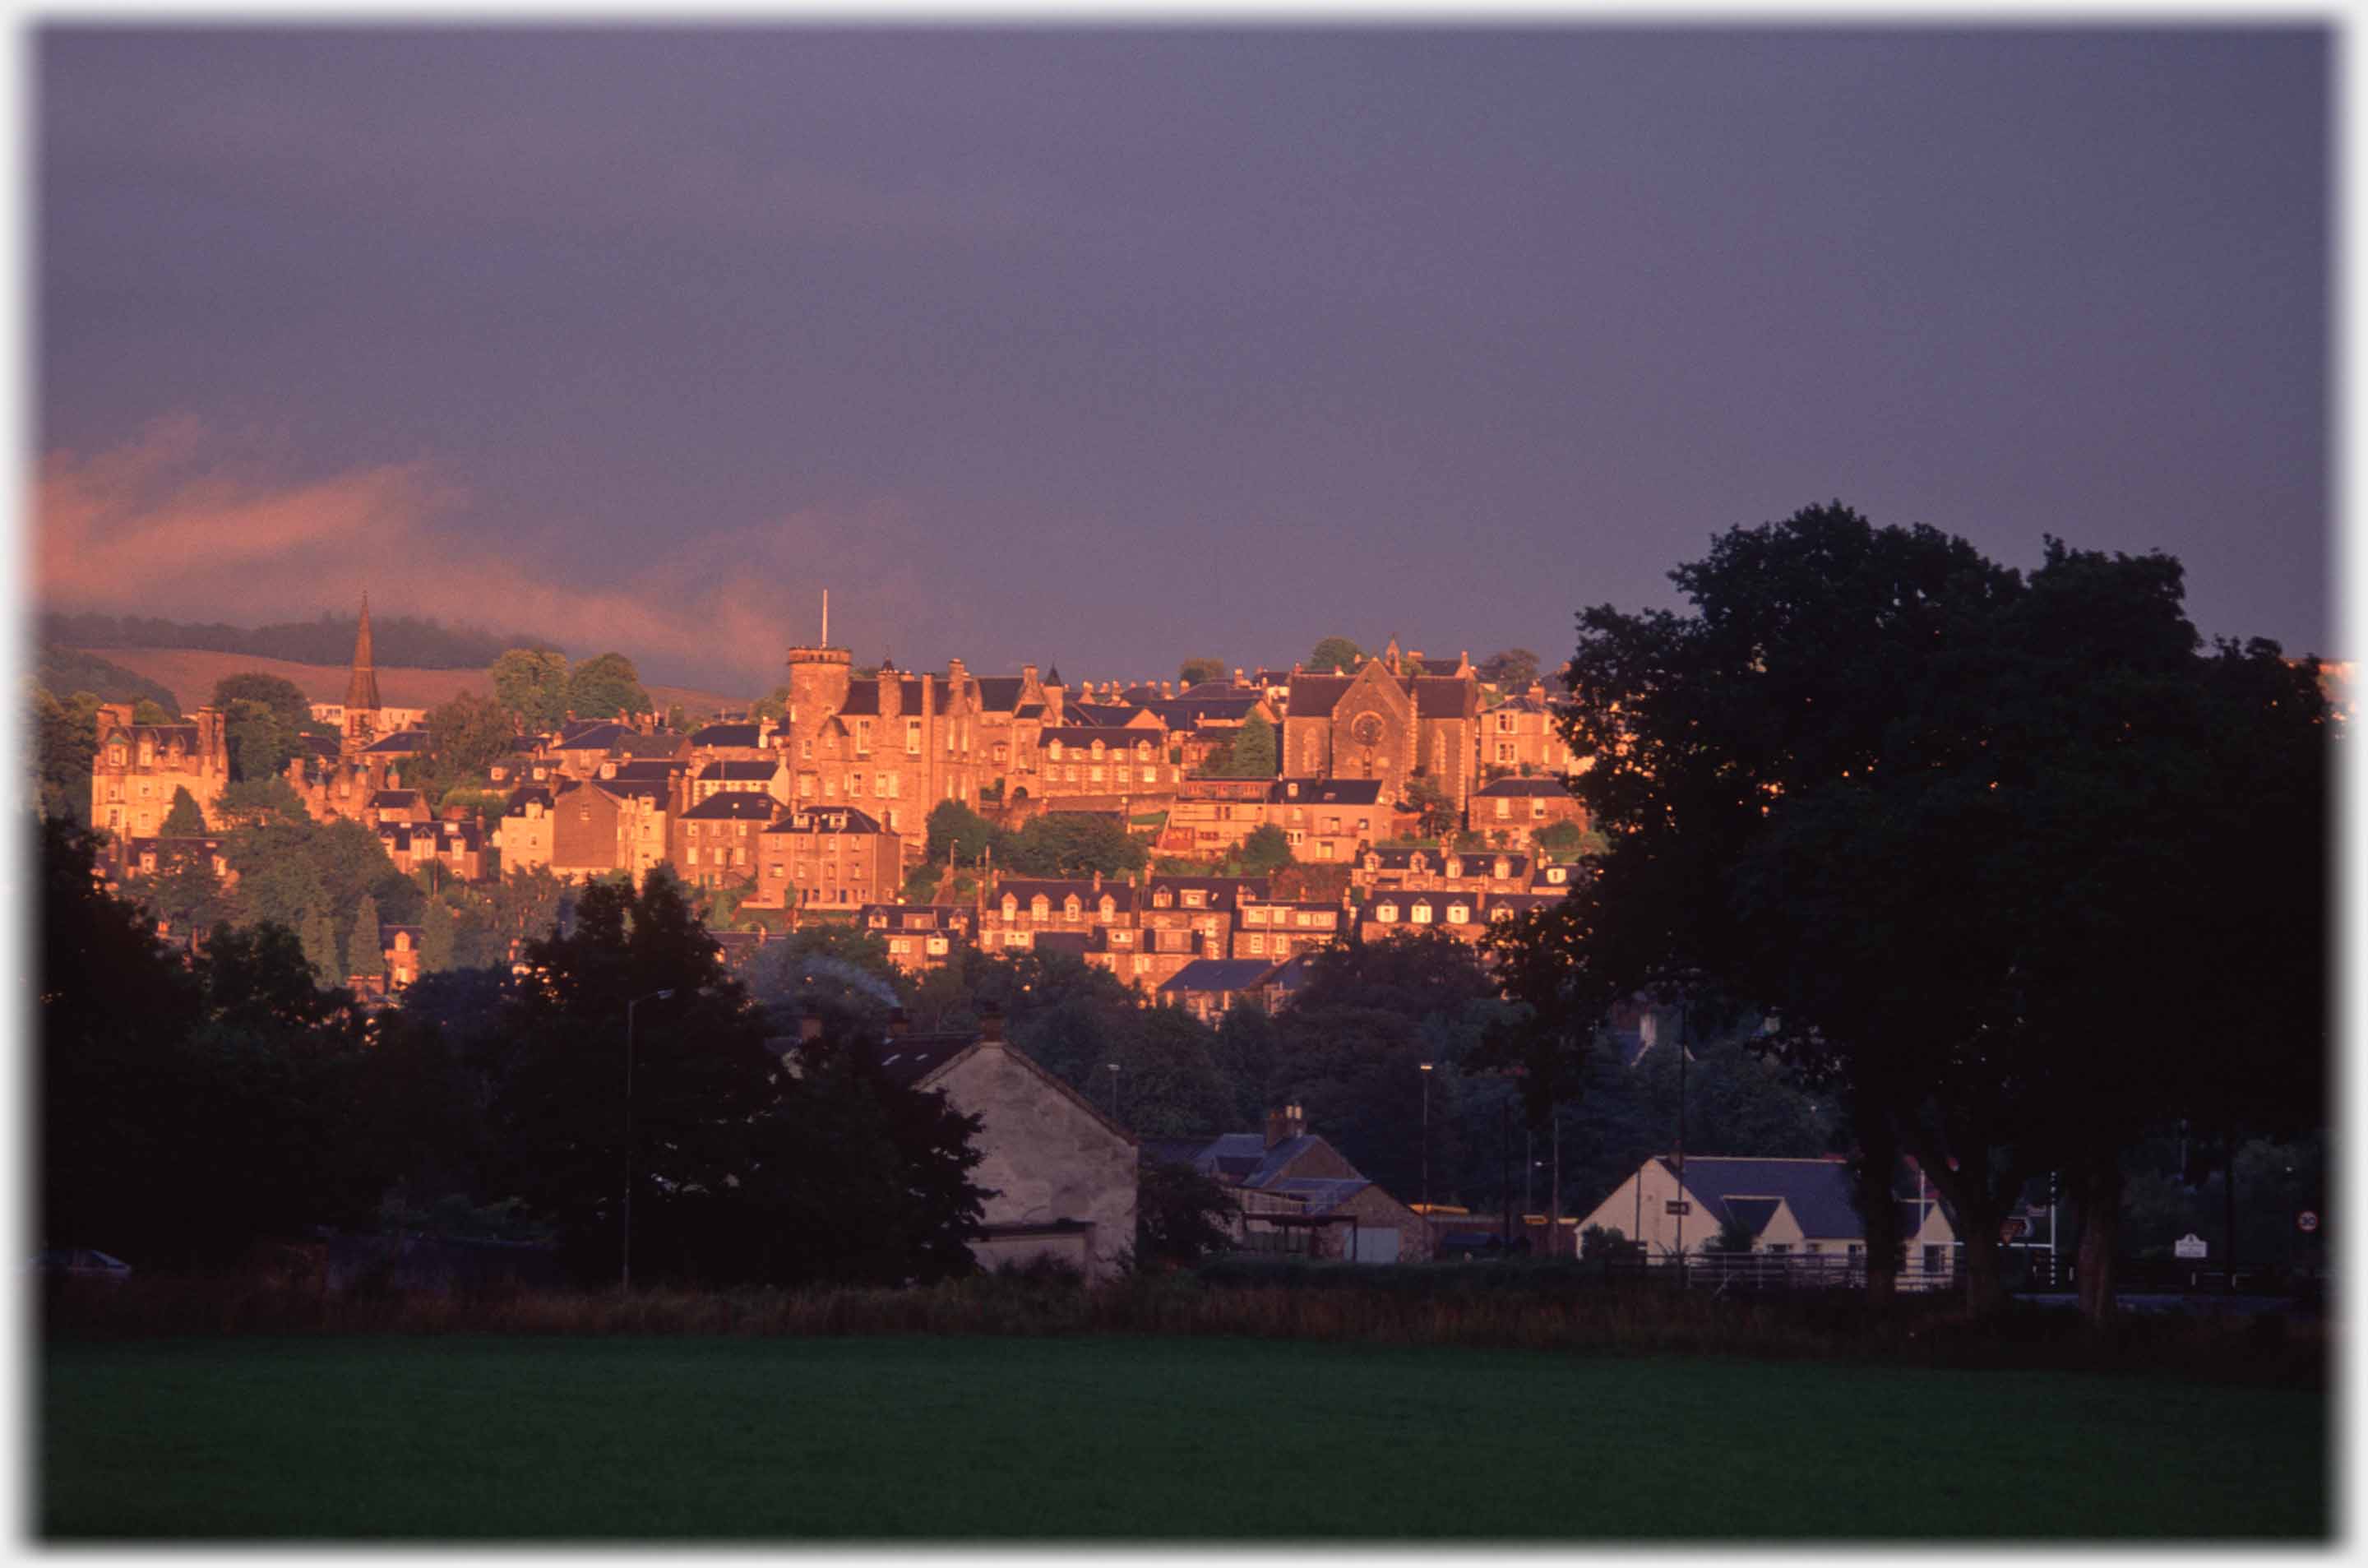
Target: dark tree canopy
1513	670
531	684
184	819
1336	653
1194	671
606	687
1943	822
284	698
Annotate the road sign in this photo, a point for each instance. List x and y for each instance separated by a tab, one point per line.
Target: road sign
2307	1221
2190	1245
2012	1230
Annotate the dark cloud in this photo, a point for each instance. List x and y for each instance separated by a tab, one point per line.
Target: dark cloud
1108	347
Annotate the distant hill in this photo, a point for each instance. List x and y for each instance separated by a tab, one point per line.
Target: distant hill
65	671
394	640
197	672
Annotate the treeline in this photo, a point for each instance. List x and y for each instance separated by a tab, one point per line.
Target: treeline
63	671
271	1105
410	641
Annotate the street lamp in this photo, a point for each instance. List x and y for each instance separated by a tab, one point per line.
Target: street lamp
1425	1138
625	1270
1113	1073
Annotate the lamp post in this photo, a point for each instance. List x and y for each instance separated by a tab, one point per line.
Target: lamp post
1113	1073
1425	1141
625	1261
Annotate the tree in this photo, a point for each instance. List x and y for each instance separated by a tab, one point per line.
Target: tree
366	958
1558	840
1336	653
284	698
532	685
1929	814
469	734
320	948
606	687
147	711
954	828
1434	813
438	936
65	737
1073	844
261	743
1265	851
1194	671
1254	751
259	800
1180	1217
1513	670
184	820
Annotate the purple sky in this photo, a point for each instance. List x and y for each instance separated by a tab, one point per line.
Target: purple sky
1106	349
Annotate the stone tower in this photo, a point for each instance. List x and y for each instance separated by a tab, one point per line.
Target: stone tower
361	689
818	683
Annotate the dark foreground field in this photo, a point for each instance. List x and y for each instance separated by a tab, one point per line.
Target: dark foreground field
1145	1438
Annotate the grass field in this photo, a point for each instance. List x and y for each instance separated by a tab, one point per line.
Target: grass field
1145	1438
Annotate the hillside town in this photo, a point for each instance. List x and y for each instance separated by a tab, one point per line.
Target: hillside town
1406	793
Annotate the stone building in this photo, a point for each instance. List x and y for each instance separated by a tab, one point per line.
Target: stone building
826	857
1509	811
1398	716
715	843
455	849
1295	1193
920	936
1214	817
1062	1175
1519	735
1278	931
1328	820
138	767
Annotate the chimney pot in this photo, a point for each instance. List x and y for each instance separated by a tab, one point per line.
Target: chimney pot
810	1026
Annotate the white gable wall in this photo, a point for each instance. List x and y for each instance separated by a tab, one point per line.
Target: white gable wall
1046	1158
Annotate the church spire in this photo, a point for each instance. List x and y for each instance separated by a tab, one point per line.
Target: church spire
362	686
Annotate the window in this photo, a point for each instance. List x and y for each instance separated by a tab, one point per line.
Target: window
1459	914
913	738
1538	809
1504	808
937	944
1070	908
1257	942
862	736
1387	912
1422	914
1039	908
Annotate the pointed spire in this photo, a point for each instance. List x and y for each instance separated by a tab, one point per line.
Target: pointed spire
362	686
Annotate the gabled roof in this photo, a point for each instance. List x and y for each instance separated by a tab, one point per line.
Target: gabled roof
516	805
737	772
1219	974
1314	697
654	771
648	790
916	1061
1224	893
863	698
1112	738
733	805
1184	713
1098	715
658	743
739	735
1437	697
395	800
1818	1191
592	734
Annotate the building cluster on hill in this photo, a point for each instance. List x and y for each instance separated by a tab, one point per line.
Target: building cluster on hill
822	809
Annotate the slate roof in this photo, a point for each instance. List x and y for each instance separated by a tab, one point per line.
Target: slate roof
1185	713
728	735
1029	710
403	741
517	804
650	790
598	735
1218	689
319	746
395	800
1818	1191
656	771
1224	893
1000	694
863	698
1098	715
906	917
1122	894
1082	736
732	806
1314	697
1755	1212
404	834
1442	698
1320	1194
573	728
659	742
737	772
1219	974
824	819
1524	788
1327	792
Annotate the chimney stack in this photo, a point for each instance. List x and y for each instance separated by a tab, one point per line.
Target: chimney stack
990	1024
810	1026
1282	1125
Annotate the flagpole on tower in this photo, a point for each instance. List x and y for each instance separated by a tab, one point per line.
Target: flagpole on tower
825	618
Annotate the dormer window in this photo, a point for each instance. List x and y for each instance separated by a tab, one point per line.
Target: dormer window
1504	869
1071	908
1454	867
1422	914
1162	899
1039	907
1010	907
1459	914
1387	912
1109	907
